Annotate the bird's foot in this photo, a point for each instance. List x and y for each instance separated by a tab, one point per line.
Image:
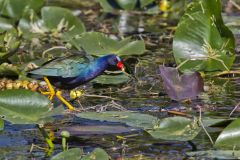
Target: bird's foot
49	93
64	101
74	94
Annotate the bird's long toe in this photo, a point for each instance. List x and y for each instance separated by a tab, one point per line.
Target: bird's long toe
50	94
64	101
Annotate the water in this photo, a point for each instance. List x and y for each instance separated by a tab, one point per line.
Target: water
142	95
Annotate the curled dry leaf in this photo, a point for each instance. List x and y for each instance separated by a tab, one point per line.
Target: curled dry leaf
181	87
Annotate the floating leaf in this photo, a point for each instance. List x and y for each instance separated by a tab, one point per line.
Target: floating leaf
229	138
109	6
5	24
1	124
60	21
186	86
216	122
9	43
126	4
99	44
111	79
202	41
27	23
61	18
103	129
133	119
23	106
9	70
97	154
132	48
176	128
77	154
71	154
15	8
145	3
106	6
218	154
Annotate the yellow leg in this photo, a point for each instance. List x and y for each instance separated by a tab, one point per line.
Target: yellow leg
59	96
50	92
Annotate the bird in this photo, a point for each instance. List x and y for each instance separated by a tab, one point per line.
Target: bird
69	72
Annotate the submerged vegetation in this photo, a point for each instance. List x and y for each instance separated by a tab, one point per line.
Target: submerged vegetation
177	66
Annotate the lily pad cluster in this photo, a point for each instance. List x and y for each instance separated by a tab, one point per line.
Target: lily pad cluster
206	45
78	154
202	42
20	106
226	144
173	128
30	24
178	129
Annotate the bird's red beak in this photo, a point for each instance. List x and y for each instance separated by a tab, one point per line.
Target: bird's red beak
120	65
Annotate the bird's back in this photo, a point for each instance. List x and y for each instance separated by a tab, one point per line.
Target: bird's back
64	67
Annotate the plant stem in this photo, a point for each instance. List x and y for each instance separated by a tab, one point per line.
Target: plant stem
201	123
235	4
47	139
64	145
181	64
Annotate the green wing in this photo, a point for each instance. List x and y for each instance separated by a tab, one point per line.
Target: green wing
65	67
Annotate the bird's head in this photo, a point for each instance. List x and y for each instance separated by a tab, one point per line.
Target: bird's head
116	61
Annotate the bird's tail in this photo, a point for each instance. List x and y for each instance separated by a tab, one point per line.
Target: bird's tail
34	76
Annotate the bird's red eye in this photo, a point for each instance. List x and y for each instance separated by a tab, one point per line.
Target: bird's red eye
120	65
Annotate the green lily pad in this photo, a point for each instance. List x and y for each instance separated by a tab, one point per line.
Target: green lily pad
144	3
111	79
27	22
20	106
5	24
105	5
97	154
133	119
9	43
61	18
202	41
60	21
9	70
103	129
71	154
123	4
176	128
216	122
1	124
126	4
99	44
77	154
218	154
15	8
132	48
229	138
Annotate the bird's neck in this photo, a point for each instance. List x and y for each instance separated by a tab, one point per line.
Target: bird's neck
100	64
96	67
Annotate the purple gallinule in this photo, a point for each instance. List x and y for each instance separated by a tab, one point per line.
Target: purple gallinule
72	71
